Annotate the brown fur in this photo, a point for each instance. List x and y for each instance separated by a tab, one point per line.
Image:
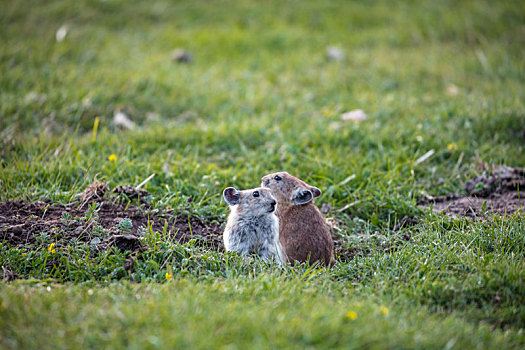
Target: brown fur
303	231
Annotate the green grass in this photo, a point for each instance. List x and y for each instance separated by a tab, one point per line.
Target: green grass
239	312
261	96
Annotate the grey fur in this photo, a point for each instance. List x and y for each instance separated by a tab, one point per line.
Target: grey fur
252	226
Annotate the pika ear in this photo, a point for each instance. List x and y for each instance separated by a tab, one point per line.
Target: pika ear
315	191
302	197
231	195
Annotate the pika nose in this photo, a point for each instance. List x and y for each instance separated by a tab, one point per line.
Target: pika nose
267	182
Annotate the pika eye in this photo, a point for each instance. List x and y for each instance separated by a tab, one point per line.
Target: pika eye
277	178
256	193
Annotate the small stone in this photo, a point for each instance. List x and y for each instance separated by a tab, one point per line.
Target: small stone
120	119
181	55
355	115
61	33
452	90
334	53
79	230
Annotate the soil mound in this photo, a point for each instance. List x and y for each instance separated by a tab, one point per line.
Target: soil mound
101	223
499	192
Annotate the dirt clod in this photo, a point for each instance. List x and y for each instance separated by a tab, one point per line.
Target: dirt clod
502	179
128	264
132	192
406	221
8	275
127	243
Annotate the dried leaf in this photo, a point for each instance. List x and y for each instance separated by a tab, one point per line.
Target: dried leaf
96	190
424	157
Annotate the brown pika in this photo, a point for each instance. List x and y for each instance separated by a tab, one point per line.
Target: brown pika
303	231
252	226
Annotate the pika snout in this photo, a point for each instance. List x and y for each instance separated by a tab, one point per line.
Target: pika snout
273	204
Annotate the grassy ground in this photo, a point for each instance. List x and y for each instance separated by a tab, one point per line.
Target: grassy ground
261	96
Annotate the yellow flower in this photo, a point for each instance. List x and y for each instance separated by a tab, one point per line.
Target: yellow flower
351	315
51	248
112	157
452	146
169	276
326	111
384	310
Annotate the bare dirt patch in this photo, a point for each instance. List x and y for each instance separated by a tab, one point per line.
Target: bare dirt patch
99	218
499	192
22	223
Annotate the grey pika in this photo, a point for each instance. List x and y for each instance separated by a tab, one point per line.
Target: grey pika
252	226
